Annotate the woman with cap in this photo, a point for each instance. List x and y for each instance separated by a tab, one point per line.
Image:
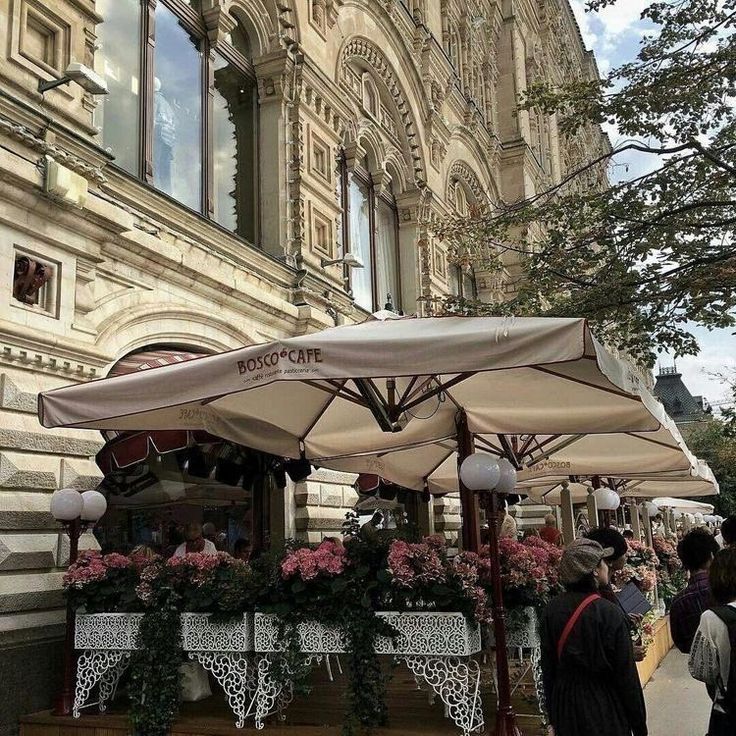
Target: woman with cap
591	684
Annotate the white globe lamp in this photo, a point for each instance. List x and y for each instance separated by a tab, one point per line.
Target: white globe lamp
606	499
480	472
507	481
66	504
94	506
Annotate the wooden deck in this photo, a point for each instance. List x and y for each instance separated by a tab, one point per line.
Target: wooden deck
318	714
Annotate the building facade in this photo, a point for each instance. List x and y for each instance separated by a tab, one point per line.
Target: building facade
243	145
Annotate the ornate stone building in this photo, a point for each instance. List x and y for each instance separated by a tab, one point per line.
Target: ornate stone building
243	144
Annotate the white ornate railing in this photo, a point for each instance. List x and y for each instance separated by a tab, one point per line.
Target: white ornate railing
523	636
223	648
436	647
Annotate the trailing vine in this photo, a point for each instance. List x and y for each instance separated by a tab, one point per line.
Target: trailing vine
155	687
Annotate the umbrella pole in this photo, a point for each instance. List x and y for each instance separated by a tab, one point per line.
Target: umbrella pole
505	717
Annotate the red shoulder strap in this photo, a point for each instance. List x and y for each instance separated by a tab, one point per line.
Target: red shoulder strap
572	621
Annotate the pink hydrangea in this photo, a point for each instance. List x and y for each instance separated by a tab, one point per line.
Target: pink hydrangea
328	559
414	564
116	560
89	567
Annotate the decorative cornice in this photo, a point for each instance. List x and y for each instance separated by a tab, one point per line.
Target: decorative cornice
28	138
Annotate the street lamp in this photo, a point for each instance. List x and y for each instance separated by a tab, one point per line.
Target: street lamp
77	512
495	477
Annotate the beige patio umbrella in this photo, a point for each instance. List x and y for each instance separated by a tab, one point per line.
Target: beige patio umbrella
378	386
386	386
540	459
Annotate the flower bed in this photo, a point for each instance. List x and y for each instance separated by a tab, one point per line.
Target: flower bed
379	593
640	568
671	577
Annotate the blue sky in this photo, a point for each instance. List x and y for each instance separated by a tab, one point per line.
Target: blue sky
614	35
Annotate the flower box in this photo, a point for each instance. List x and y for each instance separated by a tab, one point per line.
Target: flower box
419	633
100	631
200	634
522	628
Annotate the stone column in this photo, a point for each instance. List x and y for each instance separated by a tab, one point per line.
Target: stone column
568	516
592	509
635	519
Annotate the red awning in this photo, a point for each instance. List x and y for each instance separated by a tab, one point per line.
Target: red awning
131	448
124	449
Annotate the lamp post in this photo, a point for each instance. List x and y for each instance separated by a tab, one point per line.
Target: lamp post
494	478
76	512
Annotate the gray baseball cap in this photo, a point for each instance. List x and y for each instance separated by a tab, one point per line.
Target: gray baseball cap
580	558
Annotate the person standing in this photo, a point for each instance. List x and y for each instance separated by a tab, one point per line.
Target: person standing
549	532
713	652
195	542
727	535
591	684
508	529
696	550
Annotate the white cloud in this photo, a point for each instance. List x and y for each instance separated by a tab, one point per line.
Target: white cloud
585	22
620	18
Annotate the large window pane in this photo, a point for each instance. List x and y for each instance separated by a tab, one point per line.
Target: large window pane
119	62
360	243
177	111
234	150
387	256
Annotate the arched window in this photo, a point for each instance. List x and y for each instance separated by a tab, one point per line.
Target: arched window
370	97
462	277
181	115
371	232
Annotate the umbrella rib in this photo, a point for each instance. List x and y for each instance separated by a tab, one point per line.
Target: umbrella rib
439	389
621	394
406	393
539	445
439	465
639	436
488	445
319	415
563	445
342	394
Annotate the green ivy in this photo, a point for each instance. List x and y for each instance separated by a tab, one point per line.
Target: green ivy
155	687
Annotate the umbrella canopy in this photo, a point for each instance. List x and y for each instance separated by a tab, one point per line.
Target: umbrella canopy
548	459
683	505
700	482
382	386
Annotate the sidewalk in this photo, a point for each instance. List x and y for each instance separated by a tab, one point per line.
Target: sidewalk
676	704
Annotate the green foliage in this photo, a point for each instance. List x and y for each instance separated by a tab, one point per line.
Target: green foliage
644	257
155	687
715	442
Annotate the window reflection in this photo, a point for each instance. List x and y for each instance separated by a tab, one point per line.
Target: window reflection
360	242
233	150
387	255
177	111
118	62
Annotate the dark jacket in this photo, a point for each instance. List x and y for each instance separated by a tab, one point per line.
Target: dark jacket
595	687
686	609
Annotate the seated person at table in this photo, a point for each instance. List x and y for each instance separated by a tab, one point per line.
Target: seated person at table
696	550
242	550
195	542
